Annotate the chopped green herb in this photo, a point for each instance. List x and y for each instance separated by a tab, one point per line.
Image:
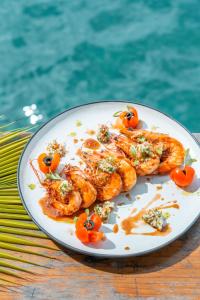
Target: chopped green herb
72	134
53	176
187	159
117	113
65	187
75	219
166	215
32	186
190	161
87	211
141	139
159	151
133	150
136	162
78	123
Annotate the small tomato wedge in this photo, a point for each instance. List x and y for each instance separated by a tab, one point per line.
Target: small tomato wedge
48	163
87	228
129	118
97	221
95	236
82	234
81	220
183	176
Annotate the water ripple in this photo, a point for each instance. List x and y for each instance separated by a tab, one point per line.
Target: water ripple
57	54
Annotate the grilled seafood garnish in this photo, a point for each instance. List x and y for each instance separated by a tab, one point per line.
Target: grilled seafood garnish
102	174
79	180
143	156
61	194
173	152
123	167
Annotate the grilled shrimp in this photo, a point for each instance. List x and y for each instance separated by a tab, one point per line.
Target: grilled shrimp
143	156
79	180
102	174
173	152
123	165
71	205
61	194
172	155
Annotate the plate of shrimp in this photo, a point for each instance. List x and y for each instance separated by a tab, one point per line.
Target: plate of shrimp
111	179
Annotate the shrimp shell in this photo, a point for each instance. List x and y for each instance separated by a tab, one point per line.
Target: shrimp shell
107	185
173	151
72	204
79	180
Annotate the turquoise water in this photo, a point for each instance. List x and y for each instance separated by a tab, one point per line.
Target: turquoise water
57	54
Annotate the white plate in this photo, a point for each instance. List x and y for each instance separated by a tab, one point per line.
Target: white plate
91	115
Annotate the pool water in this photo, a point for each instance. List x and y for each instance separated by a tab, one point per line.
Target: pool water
58	54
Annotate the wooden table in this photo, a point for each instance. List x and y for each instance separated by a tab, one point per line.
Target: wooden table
171	273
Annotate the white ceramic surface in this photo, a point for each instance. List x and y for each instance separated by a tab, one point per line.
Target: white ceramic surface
91	116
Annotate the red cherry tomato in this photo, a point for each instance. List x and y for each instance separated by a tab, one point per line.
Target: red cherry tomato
87	228
81	220
48	163
129	118
183	176
82	234
95	236
97	221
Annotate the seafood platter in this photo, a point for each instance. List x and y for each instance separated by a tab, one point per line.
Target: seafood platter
111	179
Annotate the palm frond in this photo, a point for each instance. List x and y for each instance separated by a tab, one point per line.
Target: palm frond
8	246
12	257
23	232
14	221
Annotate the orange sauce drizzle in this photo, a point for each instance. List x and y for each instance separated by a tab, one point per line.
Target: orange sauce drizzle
52	212
115	228
90	132
165	232
91	144
170	204
131	222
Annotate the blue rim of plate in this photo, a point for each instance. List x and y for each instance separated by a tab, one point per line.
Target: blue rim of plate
77	250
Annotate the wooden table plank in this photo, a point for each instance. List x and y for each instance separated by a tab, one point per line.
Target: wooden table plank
170	273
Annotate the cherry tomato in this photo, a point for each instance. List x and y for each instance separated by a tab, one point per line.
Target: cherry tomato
97	221
129	118
48	163
183	176
81	219
95	236
82	234
87	228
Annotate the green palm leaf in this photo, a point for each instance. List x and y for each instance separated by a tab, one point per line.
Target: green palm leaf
14	221
16	240
8	265
18	224
11	257
18	231
8	246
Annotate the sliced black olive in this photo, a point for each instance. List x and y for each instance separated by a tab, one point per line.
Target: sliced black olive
47	160
89	224
129	115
